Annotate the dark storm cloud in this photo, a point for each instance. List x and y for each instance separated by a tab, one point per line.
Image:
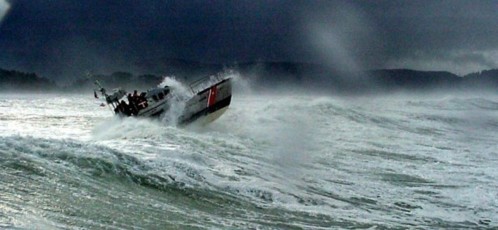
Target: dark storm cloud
41	34
454	35
66	37
436	35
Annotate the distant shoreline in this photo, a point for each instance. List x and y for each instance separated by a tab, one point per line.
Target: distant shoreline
265	75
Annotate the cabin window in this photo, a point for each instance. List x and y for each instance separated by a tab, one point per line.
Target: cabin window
155	97
161	95
166	91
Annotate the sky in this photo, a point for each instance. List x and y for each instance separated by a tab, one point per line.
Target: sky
63	38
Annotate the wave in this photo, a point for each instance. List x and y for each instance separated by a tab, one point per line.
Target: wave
449	103
287	161
90	166
33	167
53	158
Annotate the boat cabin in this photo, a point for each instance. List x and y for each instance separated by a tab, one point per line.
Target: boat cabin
157	94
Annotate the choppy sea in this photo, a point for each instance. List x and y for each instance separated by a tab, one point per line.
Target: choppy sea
272	161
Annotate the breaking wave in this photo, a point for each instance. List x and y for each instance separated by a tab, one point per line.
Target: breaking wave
272	161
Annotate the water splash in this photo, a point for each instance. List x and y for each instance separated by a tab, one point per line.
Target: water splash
125	128
241	84
178	86
179	96
294	158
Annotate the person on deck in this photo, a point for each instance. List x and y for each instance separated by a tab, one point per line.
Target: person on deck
124	108
132	104
130	99
136	100
142	101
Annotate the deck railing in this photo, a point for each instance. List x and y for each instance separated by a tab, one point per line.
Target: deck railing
204	82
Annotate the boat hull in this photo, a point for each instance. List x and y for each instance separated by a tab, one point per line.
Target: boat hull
208	104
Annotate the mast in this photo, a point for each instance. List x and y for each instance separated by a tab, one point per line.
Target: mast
101	89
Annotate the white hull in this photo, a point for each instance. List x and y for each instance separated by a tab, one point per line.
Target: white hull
206	105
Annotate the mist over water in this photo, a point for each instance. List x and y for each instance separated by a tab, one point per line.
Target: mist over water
343	38
283	160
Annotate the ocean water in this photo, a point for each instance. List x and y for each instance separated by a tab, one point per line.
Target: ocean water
272	161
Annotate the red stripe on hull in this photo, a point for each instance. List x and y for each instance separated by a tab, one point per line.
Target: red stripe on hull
212	96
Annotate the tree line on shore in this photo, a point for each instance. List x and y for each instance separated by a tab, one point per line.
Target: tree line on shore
263	75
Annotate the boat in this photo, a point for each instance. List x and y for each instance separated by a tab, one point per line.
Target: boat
209	99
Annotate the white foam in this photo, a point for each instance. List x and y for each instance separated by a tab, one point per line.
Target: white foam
125	128
314	155
179	95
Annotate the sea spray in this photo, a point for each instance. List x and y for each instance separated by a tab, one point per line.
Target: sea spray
276	161
179	95
171	82
241	84
125	128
